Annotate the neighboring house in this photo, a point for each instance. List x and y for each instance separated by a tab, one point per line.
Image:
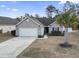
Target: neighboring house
30	26
7	28
7	24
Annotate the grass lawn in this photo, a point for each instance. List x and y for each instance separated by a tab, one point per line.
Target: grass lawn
49	48
5	36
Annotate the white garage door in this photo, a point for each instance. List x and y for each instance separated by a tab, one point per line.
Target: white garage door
28	32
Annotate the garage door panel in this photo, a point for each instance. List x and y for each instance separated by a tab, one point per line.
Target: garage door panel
28	32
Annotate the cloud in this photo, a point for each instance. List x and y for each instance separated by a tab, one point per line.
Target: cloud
8	8
15	9
3	5
12	9
63	1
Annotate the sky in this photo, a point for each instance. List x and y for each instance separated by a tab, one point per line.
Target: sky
19	8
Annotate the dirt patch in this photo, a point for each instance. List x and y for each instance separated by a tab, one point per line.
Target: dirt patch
49	48
5	36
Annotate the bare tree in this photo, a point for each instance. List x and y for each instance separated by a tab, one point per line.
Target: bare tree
67	19
36	15
49	10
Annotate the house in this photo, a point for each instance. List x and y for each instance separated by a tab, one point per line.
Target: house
56	27
7	24
30	26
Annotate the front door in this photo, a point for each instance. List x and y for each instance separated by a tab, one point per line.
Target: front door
46	30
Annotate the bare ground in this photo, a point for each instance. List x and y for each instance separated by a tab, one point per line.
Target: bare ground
49	48
5	36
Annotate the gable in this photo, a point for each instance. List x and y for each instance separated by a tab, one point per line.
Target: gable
27	24
54	24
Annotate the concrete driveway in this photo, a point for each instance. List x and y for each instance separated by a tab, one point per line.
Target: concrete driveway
13	47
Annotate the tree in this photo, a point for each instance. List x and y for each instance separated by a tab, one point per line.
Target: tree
67	19
18	19
67	6
31	16
26	14
36	15
50	9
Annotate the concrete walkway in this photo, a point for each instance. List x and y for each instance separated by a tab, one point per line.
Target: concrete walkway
13	47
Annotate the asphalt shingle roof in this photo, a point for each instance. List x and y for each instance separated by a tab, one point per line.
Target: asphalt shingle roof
46	21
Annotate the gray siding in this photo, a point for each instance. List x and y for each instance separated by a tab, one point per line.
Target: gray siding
55	26
27	24
17	31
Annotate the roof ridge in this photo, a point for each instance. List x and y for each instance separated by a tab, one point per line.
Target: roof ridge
30	19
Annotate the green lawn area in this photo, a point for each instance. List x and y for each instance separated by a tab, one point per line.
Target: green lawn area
49	48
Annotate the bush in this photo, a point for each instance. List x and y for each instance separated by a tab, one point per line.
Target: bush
40	36
13	32
56	33
78	26
1	31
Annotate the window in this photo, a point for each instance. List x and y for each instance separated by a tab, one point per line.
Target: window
53	29
57	28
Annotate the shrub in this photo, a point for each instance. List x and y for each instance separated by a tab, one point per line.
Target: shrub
1	31
78	26
40	36
13	32
56	33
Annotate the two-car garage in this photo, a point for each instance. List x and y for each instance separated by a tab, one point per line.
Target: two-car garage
28	31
